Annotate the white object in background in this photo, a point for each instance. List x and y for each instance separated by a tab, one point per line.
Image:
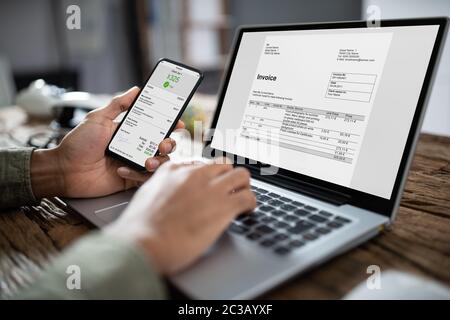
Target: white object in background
39	99
396	285
7	88
83	99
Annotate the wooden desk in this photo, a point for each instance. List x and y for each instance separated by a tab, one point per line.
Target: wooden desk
419	241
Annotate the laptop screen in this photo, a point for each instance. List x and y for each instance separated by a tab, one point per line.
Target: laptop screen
333	104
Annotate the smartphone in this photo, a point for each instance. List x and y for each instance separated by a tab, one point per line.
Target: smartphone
154	113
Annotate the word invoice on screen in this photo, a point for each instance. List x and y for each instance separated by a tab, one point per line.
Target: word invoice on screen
312	96
153	113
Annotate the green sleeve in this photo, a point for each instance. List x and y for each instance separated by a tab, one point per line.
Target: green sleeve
15	182
108	268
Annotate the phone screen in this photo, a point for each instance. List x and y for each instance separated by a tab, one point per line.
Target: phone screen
153	114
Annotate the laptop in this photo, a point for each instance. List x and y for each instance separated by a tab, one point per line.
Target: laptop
326	117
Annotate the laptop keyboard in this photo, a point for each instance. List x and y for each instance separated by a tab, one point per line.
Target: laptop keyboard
284	225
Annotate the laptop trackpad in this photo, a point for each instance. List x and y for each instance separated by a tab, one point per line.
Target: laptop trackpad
112	213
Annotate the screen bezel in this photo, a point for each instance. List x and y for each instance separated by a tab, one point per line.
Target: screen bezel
354	197
172	127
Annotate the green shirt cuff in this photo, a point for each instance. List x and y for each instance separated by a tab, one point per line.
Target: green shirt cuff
15	180
99	266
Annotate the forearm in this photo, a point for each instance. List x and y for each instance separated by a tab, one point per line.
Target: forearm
46	177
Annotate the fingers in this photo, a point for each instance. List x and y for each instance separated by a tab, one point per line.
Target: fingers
242	201
129	174
237	185
180	125
240	198
119	104
234	180
167	146
210	171
151	164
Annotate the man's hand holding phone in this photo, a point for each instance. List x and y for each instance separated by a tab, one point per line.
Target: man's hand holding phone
79	168
153	114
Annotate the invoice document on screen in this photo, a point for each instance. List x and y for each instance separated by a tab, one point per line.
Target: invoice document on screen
312	96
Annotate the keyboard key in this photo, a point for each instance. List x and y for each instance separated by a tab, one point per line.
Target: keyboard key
263	198
266	208
325	213
287	207
238	229
296	244
265	229
274	195
250	222
267	243
334	225
323	230
297	203
254	236
310	208
300	227
268	219
256	214
317	218
282	250
259	203
280	237
302	213
281	225
263	191
278	213
310	236
253	188
291	218
342	220
275	202
284	199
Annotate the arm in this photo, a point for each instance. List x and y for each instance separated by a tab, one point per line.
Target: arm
154	236
78	168
153	231
103	259
108	268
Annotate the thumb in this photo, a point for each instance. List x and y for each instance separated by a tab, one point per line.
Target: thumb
119	103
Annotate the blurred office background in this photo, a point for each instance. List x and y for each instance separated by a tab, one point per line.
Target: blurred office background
120	40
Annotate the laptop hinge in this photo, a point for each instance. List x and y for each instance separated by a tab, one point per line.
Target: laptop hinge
321	193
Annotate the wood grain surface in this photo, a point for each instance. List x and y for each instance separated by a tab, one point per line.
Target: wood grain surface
419	240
